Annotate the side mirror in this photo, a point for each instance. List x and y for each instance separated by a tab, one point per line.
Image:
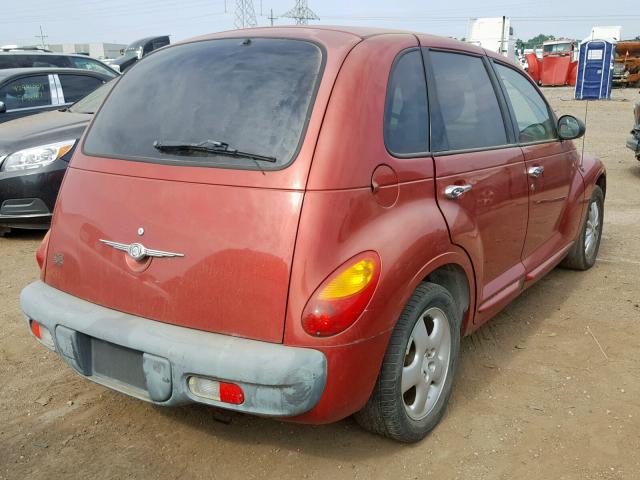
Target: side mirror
139	53
570	127
3	107
122	51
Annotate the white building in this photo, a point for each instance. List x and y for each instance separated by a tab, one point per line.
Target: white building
95	50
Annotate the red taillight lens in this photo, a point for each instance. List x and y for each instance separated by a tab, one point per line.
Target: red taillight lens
35	328
215	390
342	297
41	253
231	393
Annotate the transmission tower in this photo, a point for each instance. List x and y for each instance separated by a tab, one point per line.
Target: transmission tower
245	14
301	13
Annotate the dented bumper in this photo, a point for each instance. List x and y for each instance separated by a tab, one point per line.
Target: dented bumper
152	361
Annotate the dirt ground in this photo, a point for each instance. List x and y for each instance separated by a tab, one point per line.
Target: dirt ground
548	389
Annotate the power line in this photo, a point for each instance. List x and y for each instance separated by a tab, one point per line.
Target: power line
245	14
301	13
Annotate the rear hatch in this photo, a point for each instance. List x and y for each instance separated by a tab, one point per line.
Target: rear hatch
221	226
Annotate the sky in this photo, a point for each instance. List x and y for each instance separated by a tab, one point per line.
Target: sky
123	21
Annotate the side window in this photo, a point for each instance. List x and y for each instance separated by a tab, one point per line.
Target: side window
535	123
470	116
27	92
406	127
159	43
89	64
8	61
48	61
74	87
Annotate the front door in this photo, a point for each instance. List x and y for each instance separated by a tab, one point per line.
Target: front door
481	184
550	164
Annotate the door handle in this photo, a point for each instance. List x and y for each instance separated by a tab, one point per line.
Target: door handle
454	191
535	172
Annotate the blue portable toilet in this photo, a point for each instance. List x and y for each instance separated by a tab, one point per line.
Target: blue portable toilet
595	70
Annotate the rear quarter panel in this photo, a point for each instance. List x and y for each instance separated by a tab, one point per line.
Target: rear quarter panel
341	217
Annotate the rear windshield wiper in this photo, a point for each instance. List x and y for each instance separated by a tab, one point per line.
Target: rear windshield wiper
210	146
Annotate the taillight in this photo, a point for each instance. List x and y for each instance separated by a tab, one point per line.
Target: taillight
215	390
41	253
342	297
42	333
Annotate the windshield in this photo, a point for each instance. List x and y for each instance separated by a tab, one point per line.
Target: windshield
91	102
557	47
253	94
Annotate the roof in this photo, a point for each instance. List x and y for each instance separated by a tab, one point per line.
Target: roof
325	32
11	72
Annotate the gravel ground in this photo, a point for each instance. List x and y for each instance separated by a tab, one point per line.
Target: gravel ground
547	389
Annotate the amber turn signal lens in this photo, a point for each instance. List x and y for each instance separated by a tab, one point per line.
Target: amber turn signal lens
349	282
342	297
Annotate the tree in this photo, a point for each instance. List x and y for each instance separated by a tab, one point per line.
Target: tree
537	40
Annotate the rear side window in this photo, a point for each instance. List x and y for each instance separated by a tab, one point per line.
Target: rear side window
89	64
406	128
26	92
253	94
469	113
47	61
74	87
534	120
7	61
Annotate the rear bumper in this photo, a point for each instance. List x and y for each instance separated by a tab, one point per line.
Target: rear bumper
277	380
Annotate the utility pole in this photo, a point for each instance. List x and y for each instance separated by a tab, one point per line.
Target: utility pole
301	13
42	36
271	17
245	14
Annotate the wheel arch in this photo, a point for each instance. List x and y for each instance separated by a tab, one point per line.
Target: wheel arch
454	271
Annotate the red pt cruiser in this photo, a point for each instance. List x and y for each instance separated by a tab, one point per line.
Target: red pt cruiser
302	223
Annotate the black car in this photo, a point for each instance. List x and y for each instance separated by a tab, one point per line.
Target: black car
39	59
34	154
633	142
26	91
139	49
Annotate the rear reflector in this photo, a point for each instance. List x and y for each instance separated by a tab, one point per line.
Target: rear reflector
42	333
214	390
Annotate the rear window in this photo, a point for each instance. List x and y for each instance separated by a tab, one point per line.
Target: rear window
253	94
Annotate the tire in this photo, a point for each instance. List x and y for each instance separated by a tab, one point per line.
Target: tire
584	252
399	416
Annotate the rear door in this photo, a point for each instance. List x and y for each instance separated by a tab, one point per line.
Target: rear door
75	87
551	166
480	177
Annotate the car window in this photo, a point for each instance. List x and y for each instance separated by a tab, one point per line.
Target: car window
159	43
90	64
26	92
535	122
92	101
74	87
7	61
406	128
253	94
46	61
469	113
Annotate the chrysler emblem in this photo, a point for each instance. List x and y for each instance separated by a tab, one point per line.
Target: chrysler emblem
139	252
